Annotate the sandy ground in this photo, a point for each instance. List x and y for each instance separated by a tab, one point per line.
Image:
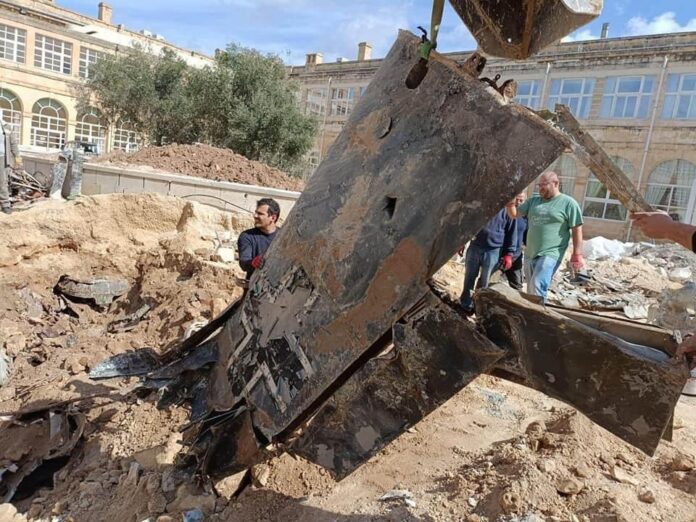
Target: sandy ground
495	452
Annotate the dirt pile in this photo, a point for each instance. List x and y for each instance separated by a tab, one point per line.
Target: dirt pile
204	161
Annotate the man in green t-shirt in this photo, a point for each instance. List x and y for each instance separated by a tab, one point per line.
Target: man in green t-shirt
553	218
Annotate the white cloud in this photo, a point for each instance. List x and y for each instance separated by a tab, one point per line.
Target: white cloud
580	36
664	23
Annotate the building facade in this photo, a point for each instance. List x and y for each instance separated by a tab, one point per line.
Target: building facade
636	96
45	52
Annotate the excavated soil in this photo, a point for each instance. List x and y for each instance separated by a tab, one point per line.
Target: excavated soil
495	452
204	161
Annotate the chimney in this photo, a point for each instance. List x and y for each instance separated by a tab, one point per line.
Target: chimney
105	12
364	51
605	30
314	59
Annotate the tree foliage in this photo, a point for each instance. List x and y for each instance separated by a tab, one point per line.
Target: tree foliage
244	101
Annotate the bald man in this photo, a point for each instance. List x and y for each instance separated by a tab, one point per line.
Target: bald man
552	219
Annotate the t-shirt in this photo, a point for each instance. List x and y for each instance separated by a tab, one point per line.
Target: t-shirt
252	243
549	222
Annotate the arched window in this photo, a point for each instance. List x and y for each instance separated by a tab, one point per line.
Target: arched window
598	201
669	187
11	112
567	171
91	128
49	121
125	138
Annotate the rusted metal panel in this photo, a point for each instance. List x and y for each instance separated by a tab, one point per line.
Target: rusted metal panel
630	390
517	29
413	175
435	353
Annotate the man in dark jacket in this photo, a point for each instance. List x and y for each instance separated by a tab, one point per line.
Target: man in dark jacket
253	243
494	241
514	273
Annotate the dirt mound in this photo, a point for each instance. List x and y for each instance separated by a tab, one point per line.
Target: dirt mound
204	161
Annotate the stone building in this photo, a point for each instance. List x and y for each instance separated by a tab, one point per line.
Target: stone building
45	51
636	95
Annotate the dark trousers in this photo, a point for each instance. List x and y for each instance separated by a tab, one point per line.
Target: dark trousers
514	275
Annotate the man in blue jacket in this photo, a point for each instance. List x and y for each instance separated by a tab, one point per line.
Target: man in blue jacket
493	243
514	274
253	243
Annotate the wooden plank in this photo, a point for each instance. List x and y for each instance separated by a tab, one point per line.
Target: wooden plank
593	156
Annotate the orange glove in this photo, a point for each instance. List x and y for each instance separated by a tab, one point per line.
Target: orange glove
257	262
506	262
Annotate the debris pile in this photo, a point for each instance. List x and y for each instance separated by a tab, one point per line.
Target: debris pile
167	268
624	278
204	161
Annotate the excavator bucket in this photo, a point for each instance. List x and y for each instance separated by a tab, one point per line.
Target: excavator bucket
517	29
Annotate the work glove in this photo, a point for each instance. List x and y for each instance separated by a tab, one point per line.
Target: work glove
506	262
19	161
577	262
257	262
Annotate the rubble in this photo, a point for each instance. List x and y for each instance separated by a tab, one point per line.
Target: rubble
624	279
204	161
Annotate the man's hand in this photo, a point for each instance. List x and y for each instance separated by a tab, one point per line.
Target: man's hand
257	262
461	250
506	262
687	349
577	262
657	225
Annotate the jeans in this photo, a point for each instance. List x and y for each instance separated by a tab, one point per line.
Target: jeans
539	273
477	260
514	275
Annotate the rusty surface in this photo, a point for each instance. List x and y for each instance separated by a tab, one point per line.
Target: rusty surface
435	353
414	174
517	29
628	389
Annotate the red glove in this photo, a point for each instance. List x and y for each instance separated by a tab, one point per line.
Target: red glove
576	261
257	262
506	262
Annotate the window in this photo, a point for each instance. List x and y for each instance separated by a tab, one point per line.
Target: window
598	201
576	93
669	187
680	98
53	55
11	112
342	101
529	93
627	97
567	171
88	57
316	102
91	128
48	124
13	43
125	138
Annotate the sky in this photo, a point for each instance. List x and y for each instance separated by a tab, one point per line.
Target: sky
292	28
